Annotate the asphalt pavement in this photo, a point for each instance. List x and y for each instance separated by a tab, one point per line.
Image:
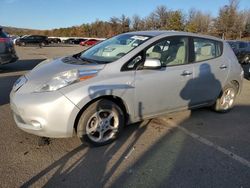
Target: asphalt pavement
197	148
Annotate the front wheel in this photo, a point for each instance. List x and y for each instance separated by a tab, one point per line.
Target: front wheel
225	101
42	44
101	123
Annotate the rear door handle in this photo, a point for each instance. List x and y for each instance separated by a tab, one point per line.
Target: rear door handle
223	67
186	73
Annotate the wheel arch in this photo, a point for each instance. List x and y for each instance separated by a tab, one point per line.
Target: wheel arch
236	84
112	98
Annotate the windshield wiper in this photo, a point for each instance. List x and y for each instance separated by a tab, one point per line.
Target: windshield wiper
86	60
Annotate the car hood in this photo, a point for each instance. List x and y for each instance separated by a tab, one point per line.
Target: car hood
47	69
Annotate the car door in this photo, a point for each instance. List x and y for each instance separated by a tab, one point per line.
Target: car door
210	70
162	90
37	40
28	40
31	40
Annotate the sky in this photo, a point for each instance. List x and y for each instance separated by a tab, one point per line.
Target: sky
49	14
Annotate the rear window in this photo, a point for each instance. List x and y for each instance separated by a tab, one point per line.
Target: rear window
206	49
2	34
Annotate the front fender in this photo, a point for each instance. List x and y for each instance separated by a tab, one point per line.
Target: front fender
83	96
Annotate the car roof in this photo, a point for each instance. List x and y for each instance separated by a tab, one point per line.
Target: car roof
237	41
155	33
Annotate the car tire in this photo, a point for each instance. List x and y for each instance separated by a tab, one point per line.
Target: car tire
23	44
101	123
43	44
226	99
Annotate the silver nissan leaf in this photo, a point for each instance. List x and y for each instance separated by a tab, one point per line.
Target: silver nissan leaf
125	79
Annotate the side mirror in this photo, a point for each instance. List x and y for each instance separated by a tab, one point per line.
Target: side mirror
152	64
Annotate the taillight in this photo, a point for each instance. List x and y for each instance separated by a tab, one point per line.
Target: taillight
4	40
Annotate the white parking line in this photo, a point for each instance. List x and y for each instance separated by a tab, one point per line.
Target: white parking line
211	144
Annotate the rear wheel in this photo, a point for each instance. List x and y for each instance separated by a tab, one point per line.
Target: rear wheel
101	123
23	44
225	101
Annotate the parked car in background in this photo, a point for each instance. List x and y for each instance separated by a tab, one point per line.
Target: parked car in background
89	42
246	68
78	41
68	41
7	51
95	93
54	40
32	40
18	37
241	50
15	39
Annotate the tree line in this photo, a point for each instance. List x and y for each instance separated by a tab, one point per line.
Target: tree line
231	23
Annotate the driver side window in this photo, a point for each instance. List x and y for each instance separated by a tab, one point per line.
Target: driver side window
170	52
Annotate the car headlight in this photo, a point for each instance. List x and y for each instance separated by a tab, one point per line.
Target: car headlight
66	78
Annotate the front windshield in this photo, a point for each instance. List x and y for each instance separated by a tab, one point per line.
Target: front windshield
113	48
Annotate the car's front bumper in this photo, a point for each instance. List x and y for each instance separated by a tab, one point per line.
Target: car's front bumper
48	114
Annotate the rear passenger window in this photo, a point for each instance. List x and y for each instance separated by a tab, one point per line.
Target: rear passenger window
205	49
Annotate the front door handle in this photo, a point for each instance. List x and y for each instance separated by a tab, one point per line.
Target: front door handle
186	73
223	67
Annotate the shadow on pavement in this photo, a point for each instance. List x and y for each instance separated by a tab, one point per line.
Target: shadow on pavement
174	160
7	81
178	160
6	84
20	65
90	169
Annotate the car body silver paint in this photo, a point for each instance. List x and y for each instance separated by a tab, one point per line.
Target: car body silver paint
145	93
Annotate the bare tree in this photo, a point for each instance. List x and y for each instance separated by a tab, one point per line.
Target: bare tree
137	23
198	22
124	23
175	21
151	22
246	14
161	16
229	23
